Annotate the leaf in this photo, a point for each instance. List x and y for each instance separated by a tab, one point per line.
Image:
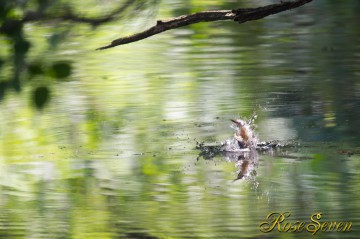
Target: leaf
40	96
22	47
61	70
35	68
3	86
55	39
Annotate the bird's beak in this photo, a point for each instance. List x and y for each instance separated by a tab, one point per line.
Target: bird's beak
237	123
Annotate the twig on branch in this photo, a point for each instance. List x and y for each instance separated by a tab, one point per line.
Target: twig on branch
240	15
70	16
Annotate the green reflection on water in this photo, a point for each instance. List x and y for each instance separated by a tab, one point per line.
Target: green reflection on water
112	155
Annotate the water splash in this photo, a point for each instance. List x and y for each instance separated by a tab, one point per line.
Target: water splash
244	136
242	149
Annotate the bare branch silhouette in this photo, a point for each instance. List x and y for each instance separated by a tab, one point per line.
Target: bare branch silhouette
240	15
70	16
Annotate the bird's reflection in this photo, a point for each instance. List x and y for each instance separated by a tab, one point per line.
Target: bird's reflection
245	162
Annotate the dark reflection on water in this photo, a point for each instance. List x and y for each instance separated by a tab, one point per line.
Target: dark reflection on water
113	155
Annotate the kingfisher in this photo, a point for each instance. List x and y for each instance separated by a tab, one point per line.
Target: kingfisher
244	134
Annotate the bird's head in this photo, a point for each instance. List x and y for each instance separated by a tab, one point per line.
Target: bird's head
239	123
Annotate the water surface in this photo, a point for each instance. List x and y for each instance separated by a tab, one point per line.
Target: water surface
113	153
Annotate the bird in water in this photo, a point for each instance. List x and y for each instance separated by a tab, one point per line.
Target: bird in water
244	134
240	149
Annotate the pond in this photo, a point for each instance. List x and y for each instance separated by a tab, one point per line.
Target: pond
113	154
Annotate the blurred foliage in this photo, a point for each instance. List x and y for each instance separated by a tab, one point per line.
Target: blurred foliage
17	46
13	17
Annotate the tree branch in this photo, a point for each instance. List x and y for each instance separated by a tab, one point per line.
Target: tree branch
70	16
240	15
